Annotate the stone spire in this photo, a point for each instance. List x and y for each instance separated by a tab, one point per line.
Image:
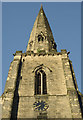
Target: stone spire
41	38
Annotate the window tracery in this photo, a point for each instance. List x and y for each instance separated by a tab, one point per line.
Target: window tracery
40	83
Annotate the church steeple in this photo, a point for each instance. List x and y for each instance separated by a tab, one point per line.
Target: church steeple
41	86
41	38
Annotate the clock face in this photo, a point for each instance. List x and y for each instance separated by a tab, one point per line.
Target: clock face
40	105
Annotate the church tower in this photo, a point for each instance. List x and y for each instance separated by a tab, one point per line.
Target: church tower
41	82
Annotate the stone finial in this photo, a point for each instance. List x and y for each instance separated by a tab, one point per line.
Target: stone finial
41	6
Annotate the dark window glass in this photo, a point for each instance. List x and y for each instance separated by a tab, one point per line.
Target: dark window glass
40	38
44	84
38	83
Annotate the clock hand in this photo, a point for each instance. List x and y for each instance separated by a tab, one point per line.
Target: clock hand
39	105
36	107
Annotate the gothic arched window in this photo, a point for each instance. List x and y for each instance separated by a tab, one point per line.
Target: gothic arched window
40	38
40	83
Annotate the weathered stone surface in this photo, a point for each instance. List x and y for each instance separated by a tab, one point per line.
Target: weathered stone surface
62	99
8	95
41	28
1	107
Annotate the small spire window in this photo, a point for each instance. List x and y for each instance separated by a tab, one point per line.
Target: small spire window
40	83
40	38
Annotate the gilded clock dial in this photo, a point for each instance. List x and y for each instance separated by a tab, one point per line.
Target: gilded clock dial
40	105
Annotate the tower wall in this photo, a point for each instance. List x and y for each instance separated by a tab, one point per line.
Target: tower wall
61	94
71	84
10	87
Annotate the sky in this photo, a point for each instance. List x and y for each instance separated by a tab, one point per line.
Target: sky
18	19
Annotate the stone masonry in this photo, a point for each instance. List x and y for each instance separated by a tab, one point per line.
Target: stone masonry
63	97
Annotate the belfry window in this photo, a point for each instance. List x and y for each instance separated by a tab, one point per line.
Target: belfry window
40	38
40	83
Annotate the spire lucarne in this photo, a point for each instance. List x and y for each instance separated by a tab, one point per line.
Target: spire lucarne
41	38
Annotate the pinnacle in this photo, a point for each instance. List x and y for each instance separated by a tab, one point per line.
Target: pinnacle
41	9
41	6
